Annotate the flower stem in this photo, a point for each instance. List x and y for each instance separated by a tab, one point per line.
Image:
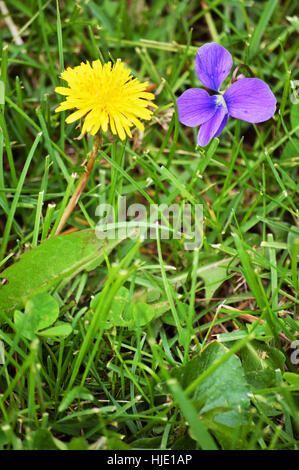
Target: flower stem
81	185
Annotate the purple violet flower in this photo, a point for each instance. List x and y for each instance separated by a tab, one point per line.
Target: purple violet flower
249	99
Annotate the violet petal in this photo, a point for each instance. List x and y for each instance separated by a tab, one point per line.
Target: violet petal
195	107
222	125
211	127
212	64
251	100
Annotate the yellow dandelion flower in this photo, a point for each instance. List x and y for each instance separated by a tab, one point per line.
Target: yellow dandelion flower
106	95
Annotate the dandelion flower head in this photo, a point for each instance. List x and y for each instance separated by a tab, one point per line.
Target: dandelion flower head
107	95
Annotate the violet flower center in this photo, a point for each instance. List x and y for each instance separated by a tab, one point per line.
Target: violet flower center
220	101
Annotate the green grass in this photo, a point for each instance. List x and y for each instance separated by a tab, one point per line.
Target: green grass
144	345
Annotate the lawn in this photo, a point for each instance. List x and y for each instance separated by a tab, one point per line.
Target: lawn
149	290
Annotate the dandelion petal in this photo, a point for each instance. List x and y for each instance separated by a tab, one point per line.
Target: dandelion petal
212	64
195	107
210	128
251	100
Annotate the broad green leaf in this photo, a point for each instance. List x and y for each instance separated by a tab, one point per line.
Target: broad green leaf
25	325
43	440
130	315
118	308
4	439
225	388
114	443
182	310
153	294
45	307
184	443
41	311
53	260
146	443
142	314
229	438
60	330
292	378
213	275
259	363
78	443
291	149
